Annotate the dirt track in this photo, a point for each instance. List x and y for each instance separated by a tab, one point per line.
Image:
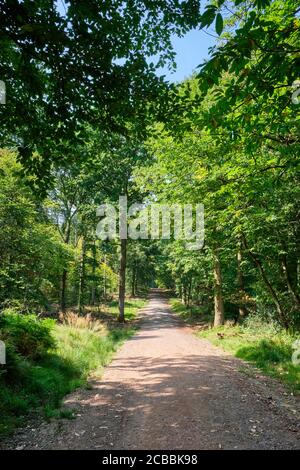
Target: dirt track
166	389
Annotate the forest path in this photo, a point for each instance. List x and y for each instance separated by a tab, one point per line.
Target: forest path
166	389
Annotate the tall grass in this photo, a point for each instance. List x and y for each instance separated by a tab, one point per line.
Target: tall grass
82	346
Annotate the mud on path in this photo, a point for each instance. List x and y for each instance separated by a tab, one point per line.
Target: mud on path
166	389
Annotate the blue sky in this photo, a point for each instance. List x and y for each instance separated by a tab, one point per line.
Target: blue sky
191	51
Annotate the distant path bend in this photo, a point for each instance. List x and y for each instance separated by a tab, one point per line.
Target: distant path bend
167	389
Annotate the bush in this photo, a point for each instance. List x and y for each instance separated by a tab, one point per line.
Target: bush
41	370
40	385
26	335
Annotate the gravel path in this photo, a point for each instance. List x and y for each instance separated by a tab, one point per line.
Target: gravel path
166	389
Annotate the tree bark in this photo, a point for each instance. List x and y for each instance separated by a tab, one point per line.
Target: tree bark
63	290
81	277
189	292
218	298
122	280
269	287
133	283
65	272
104	278
93	292
241	283
289	281
136	288
182	294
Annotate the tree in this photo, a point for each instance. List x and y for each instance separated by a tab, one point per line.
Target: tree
250	207
65	67
251	73
32	256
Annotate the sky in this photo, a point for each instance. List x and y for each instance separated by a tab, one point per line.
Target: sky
191	51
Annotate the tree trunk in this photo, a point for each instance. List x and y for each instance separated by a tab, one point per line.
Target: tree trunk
93	293
63	290
133	283
189	292
81	277
104	279
289	281
182	293
241	283
269	287
136	288
218	298
122	280
65	272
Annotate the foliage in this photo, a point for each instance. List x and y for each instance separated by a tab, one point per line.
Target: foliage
88	119
251	213
69	64
67	354
251	73
26	334
31	253
193	315
265	346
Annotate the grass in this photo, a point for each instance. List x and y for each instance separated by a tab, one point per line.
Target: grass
263	345
131	307
270	352
192	315
39	386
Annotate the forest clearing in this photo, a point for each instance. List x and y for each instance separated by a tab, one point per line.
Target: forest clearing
150	224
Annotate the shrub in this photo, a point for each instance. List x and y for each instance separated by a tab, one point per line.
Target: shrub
26	335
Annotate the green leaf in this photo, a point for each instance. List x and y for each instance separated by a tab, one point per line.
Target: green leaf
208	16
219	24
